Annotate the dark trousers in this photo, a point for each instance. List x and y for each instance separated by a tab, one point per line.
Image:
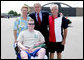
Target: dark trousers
47	53
47	49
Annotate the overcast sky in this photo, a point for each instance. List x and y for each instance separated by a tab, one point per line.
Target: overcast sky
16	5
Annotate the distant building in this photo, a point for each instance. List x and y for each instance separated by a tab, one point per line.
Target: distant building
63	8
6	15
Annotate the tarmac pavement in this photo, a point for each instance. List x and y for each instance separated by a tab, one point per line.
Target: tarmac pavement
73	47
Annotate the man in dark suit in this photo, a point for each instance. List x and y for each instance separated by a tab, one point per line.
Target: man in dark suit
41	22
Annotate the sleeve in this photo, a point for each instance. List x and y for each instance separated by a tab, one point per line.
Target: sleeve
41	37
47	18
32	15
28	17
64	23
20	37
69	22
15	25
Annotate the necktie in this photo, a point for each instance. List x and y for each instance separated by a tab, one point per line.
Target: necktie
39	21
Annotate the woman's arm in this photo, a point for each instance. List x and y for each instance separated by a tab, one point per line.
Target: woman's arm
15	35
21	46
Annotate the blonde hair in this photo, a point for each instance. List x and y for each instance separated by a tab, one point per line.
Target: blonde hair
26	6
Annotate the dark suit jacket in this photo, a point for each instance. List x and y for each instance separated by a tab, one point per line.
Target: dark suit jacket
43	27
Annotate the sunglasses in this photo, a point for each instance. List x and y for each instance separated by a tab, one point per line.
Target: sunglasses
30	23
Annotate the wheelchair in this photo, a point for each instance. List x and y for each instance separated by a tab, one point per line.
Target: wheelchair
30	56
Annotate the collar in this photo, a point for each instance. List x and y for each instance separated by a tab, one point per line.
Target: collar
56	17
39	12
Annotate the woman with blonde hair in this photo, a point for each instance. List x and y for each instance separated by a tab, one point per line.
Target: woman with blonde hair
21	24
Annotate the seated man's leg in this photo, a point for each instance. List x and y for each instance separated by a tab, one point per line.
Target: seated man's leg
23	55
41	53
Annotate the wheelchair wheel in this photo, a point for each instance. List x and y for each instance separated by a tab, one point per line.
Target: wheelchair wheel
17	57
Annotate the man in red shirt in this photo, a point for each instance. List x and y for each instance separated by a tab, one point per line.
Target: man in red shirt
57	32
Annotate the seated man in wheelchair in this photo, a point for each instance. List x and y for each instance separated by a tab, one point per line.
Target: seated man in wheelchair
30	41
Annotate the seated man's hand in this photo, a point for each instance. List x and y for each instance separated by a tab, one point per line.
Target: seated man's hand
26	49
35	48
30	50
38	43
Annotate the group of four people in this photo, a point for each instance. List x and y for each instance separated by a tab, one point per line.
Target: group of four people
32	30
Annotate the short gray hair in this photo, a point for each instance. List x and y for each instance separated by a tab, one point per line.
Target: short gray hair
37	4
54	5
